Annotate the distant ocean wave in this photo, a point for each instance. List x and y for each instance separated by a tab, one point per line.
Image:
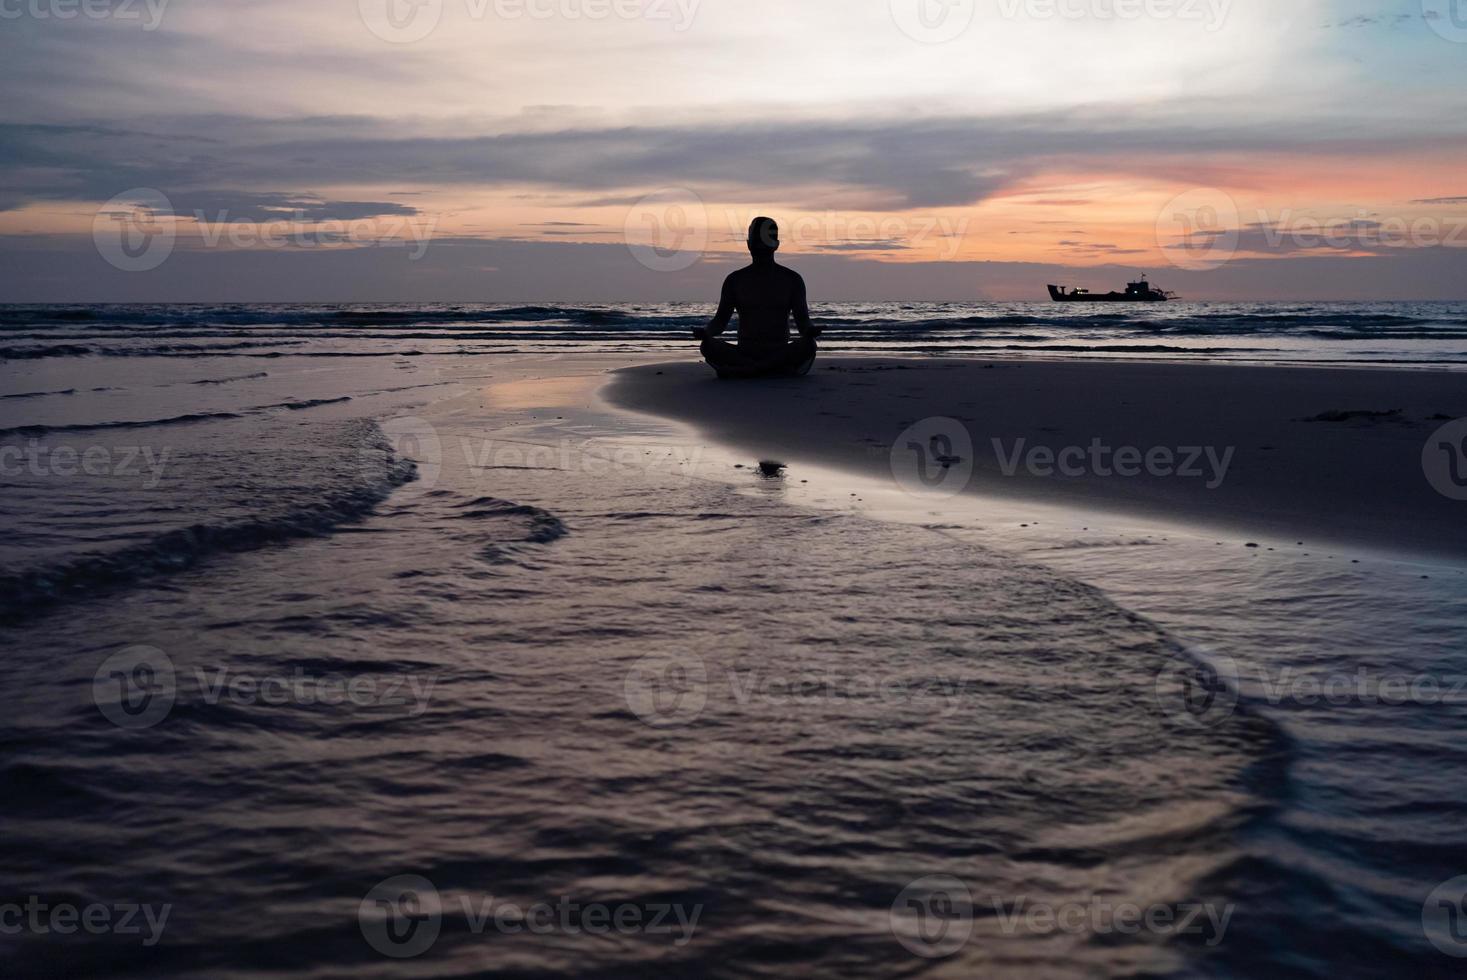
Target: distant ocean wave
1417	333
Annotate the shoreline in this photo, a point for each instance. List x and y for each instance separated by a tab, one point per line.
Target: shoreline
1283	454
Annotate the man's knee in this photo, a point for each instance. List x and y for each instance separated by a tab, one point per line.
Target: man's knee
718	351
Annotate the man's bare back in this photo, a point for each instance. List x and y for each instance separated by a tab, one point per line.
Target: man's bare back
765	295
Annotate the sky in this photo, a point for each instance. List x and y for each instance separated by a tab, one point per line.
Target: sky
583	150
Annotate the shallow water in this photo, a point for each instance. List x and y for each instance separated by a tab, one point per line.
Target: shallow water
581	658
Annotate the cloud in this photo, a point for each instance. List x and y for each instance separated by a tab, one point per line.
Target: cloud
1441	200
882	245
63	268
246	206
1339	236
1380	20
889	164
1098	248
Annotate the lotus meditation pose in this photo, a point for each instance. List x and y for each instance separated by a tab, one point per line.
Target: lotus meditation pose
765	295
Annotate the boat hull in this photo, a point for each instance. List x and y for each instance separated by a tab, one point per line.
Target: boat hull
1111	297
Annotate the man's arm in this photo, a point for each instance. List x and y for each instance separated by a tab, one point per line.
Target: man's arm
800	308
725	313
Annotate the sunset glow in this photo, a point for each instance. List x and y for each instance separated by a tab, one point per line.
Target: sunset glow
904	132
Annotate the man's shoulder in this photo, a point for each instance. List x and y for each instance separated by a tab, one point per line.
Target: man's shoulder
752	271
775	271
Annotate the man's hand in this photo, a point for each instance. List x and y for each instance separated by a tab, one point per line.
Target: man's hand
700	333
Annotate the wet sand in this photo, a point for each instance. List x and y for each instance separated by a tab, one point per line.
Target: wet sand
1275	454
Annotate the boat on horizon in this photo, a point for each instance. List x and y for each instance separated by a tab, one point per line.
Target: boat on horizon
1136	292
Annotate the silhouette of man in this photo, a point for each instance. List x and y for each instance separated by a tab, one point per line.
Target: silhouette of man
765	295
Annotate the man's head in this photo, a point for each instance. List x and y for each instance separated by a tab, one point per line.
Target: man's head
763	237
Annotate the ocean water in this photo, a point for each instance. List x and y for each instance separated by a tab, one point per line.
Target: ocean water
1402	333
335	652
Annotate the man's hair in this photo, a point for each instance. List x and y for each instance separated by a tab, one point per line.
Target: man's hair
763	235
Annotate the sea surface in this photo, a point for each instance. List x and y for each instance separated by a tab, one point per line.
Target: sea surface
1400	333
367	642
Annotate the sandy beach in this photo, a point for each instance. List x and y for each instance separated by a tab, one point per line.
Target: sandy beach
1277	454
